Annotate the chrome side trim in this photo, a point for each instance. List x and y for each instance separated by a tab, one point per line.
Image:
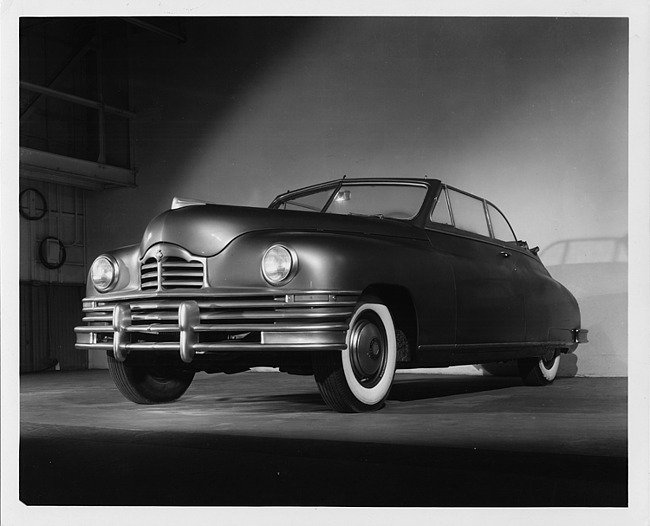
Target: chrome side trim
221	297
471	347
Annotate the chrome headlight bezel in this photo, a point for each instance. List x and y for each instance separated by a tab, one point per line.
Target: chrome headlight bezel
110	268
279	264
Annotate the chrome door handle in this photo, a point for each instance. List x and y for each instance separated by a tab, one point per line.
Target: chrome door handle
505	254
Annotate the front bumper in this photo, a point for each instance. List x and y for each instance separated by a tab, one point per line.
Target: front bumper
206	323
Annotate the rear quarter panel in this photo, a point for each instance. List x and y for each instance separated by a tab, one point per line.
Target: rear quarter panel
551	310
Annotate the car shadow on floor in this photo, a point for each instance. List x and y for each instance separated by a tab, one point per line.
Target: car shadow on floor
406	388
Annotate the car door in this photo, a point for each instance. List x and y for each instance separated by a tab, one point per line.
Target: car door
489	295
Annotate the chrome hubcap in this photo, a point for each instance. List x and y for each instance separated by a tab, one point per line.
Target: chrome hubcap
368	346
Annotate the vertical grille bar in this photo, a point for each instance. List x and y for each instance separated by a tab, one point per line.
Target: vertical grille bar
171	272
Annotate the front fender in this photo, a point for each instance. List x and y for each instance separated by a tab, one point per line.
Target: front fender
325	260
350	262
129	264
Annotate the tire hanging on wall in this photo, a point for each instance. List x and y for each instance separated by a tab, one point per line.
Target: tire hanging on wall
42	253
26	214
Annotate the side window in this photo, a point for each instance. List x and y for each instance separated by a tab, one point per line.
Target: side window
440	213
500	225
311	202
469	213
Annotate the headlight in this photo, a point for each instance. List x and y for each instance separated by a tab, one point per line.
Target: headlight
279	264
104	273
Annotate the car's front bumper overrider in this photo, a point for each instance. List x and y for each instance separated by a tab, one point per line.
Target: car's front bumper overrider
299	321
580	335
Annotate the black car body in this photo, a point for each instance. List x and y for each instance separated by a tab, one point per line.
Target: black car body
347	280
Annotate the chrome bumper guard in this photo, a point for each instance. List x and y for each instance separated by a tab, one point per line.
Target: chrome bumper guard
310	321
580	335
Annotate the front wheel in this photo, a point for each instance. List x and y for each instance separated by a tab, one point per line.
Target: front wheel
540	371
149	383
359	378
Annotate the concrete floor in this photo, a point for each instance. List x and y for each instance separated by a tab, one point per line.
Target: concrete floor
267	439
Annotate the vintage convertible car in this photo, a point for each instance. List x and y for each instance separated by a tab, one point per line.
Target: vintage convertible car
347	280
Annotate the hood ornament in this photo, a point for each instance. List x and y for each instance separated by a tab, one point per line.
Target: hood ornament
159	255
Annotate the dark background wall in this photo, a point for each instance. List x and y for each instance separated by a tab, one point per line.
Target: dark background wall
530	113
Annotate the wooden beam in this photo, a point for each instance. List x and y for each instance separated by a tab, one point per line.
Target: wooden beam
66	67
75	99
45	166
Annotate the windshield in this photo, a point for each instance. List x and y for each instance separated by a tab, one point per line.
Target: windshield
396	201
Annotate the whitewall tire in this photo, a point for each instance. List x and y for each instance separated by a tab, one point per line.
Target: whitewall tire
359	378
540	371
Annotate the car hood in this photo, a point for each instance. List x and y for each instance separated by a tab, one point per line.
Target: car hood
205	230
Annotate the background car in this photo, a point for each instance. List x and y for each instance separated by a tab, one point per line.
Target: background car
347	280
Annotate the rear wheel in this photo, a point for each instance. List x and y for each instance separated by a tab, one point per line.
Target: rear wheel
359	378
149	383
540	371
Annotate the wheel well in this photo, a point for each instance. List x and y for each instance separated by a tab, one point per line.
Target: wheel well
399	302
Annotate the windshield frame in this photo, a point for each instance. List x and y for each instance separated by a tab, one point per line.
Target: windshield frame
429	185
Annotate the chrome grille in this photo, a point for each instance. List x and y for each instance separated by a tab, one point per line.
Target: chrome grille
171	273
